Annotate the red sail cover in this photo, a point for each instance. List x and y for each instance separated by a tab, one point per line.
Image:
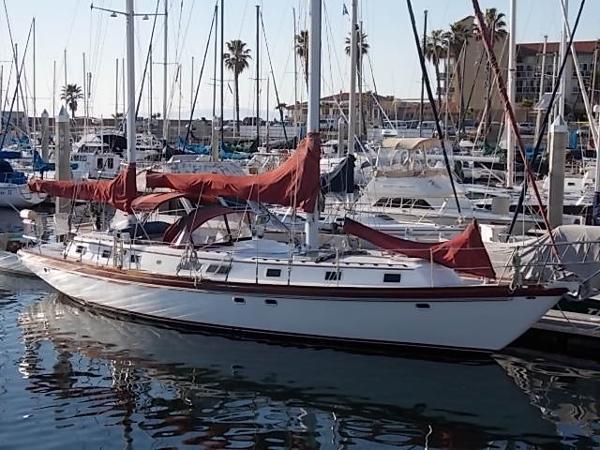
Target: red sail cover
464	253
294	183
118	192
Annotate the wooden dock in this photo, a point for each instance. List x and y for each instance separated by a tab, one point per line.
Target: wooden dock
564	332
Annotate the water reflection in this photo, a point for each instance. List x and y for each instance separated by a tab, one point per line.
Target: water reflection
141	383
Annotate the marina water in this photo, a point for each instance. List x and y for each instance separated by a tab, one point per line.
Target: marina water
73	378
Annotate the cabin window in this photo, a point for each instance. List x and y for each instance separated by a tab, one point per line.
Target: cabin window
333	276
80	249
274	273
391	278
223	270
239	300
271	302
110	163
401	202
134	259
106	253
187	265
218	269
100	163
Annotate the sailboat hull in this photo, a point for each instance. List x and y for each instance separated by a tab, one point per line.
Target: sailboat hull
18	196
449	318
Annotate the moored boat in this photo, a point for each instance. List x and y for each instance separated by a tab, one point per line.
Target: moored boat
437	295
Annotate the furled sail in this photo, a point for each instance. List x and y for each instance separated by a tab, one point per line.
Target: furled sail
119	192
294	183
465	252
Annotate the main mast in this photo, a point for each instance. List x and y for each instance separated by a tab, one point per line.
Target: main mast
510	85
165	130
314	95
130	84
352	92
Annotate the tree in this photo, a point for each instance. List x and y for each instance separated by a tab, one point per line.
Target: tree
302	51
70	94
435	50
281	107
362	44
495	23
236	60
362	47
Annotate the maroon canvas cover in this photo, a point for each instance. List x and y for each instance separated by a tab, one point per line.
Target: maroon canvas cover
295	183
118	192
195	220
150	202
465	252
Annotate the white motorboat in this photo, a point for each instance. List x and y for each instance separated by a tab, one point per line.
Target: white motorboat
14	191
430	198
10	264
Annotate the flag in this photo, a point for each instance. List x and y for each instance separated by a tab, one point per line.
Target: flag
345	10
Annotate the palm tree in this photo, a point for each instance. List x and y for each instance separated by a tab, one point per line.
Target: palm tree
70	94
496	26
362	44
302	51
236	60
362	48
495	23
457	41
281	107
435	50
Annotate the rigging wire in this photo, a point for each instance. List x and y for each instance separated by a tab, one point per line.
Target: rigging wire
210	32
14	53
542	132
95	61
18	81
279	104
432	101
139	101
179	53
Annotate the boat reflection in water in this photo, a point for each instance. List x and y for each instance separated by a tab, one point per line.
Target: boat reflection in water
145	383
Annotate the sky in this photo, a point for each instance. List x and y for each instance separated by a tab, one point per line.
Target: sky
72	25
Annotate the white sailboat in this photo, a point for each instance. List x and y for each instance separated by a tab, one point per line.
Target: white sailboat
14	192
243	283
